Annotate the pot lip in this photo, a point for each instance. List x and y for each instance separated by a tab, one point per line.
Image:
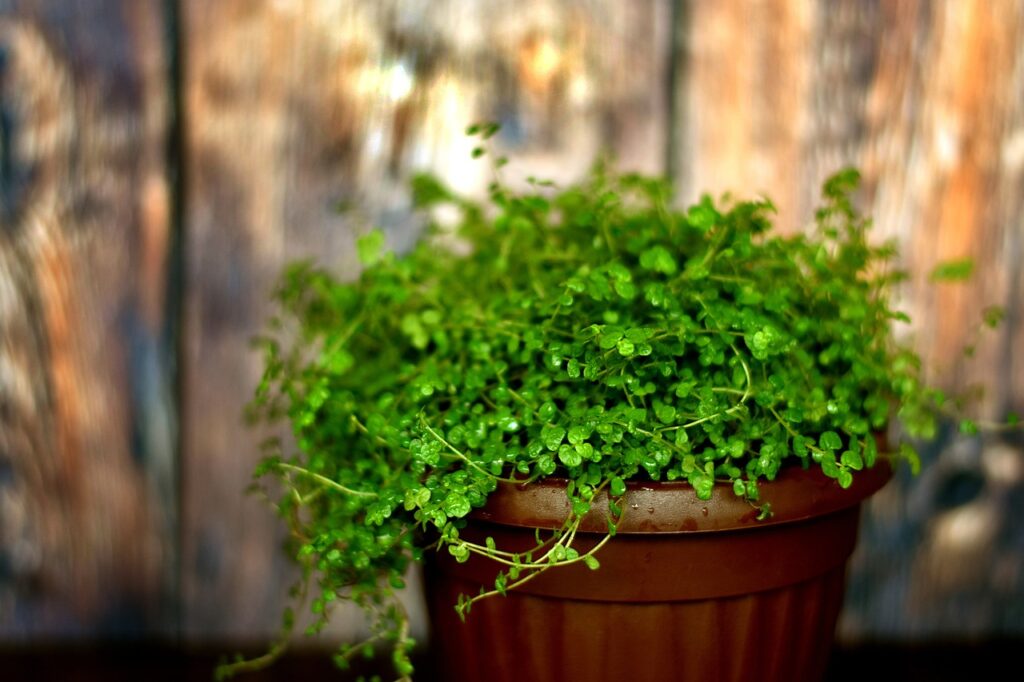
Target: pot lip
795	495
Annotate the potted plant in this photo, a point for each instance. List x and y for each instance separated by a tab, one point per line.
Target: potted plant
650	428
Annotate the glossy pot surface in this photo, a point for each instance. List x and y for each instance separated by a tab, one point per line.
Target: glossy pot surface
688	589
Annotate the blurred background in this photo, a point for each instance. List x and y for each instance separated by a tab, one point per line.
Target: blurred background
160	160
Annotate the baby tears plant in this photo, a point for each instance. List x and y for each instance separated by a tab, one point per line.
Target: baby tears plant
595	333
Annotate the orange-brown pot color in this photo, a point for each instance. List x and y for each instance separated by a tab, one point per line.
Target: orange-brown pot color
687	590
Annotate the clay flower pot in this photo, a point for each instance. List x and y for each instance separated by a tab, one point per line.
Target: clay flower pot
687	590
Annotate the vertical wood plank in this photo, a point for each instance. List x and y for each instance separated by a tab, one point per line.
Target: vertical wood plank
295	107
947	161
926	98
942	110
86	470
748	76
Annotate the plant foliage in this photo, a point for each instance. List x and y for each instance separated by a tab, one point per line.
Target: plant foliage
595	333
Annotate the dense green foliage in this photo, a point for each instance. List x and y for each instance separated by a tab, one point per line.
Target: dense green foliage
594	333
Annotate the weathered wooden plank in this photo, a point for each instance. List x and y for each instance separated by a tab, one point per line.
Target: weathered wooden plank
945	165
295	107
925	97
748	76
86	470
942	113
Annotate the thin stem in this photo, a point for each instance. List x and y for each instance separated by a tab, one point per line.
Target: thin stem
539	571
362	427
280	646
463	457
810	446
323	480
249	665
747	392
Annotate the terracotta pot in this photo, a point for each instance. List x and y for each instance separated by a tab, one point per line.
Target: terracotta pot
687	590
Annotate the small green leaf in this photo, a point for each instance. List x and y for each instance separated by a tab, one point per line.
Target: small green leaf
909	453
870	451
800	446
703	486
369	247
490	129
953	270
501	583
625	289
853	460
552	436
427	191
752	490
830	441
845	478
617	487
456	505
569	457
639	334
578	434
666	414
993	316
610	337
460	552
703	216
659	259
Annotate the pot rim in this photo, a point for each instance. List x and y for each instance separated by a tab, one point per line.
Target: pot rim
795	495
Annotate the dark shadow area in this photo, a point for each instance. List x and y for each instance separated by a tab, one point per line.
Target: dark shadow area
153	662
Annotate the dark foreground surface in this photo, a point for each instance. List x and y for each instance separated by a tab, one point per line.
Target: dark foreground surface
158	663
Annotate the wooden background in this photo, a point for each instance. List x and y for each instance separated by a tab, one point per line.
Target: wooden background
160	160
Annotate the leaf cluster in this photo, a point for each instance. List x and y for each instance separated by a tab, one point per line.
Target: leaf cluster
595	333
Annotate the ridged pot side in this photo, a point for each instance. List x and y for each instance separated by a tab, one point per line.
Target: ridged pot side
688	589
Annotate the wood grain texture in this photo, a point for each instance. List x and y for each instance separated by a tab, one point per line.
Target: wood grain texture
926	98
86	470
296	107
941	119
747	87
